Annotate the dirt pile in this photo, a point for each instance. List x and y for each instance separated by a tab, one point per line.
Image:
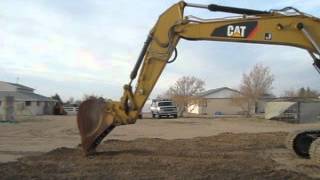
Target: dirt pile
226	156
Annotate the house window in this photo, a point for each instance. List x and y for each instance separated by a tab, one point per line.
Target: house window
38	103
28	103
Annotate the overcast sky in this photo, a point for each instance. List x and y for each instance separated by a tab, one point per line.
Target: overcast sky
78	47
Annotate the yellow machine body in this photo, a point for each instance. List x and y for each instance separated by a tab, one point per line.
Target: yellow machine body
97	118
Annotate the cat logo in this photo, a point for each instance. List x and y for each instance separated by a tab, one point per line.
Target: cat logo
237	30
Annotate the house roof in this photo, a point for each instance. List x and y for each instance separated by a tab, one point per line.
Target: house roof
268	96
20	86
24	96
212	91
296	99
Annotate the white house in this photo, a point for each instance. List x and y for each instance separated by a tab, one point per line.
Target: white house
26	102
216	101
219	102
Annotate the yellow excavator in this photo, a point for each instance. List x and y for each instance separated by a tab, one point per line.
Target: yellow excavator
287	26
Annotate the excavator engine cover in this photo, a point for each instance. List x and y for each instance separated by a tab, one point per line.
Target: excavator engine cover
93	123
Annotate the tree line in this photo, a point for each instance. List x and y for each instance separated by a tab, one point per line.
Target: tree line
186	90
253	86
73	101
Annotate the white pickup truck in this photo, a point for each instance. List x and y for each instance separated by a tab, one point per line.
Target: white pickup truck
163	108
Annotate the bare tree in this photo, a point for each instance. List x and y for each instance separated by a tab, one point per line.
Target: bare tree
289	93
302	93
78	102
254	85
90	96
184	91
308	93
70	101
57	98
242	102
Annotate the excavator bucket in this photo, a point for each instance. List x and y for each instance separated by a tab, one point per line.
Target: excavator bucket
94	124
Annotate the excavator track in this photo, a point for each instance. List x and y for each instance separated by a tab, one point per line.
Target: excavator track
300	141
315	151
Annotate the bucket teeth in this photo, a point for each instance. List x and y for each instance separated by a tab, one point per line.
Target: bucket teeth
98	140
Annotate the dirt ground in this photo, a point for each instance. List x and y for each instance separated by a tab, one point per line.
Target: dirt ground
189	148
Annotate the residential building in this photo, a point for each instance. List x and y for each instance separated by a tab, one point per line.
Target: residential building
215	102
26	101
221	101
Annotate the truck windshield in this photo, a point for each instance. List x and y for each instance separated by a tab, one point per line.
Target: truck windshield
165	104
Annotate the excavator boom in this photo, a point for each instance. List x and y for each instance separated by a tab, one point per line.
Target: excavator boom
288	26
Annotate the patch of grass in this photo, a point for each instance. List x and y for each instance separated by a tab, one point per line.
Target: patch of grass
10	122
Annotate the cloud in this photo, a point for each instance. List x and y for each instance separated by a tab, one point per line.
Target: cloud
91	46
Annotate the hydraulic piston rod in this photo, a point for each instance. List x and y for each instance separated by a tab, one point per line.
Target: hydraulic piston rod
228	9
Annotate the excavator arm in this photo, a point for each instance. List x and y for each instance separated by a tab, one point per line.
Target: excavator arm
289	26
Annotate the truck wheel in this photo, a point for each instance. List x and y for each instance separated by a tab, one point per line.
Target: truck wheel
159	116
153	116
315	151
175	116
